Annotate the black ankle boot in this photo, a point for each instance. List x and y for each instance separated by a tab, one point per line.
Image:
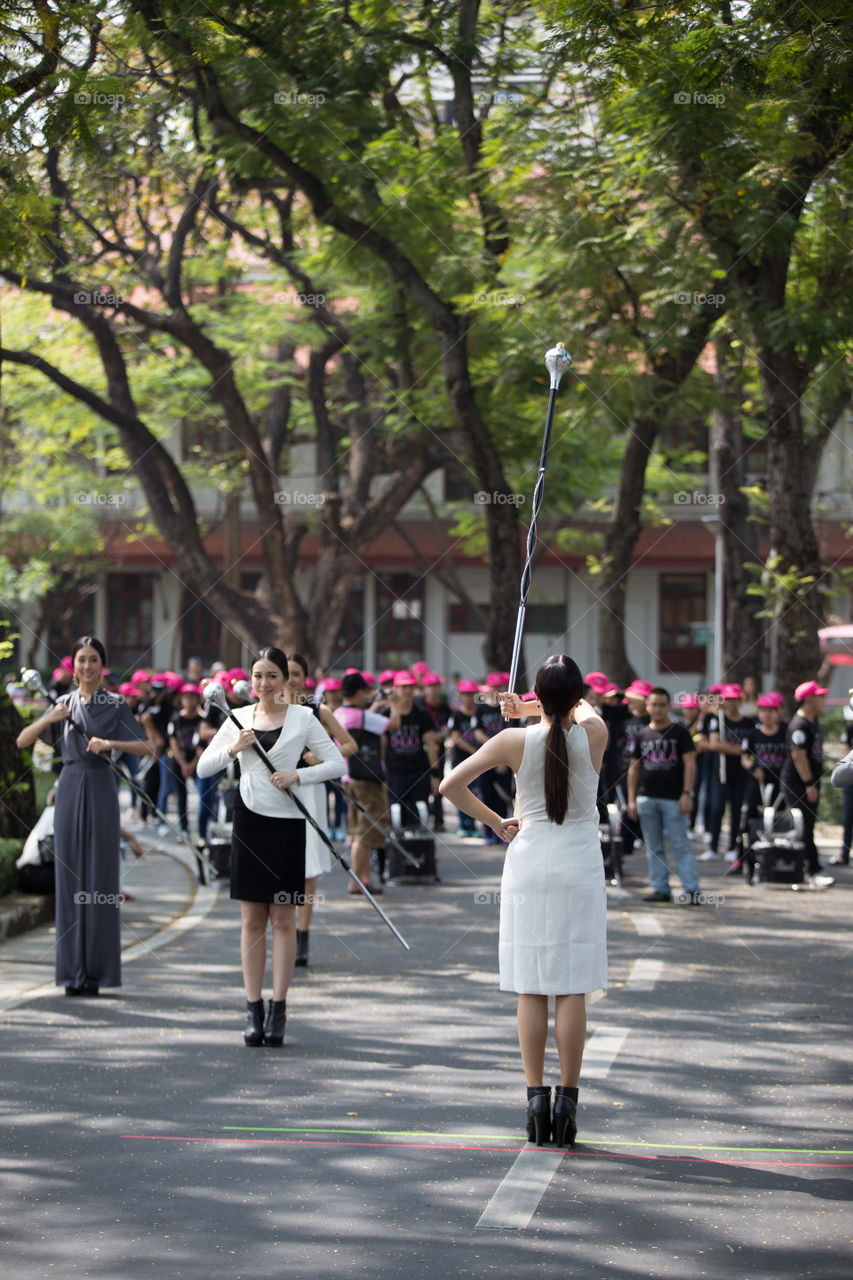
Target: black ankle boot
301	948
276	1018
539	1114
254	1033
565	1116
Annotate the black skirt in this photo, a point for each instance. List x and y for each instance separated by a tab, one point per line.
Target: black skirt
267	857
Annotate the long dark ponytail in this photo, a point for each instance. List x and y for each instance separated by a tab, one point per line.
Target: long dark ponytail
559	685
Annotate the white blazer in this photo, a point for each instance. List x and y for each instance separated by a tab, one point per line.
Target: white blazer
301	731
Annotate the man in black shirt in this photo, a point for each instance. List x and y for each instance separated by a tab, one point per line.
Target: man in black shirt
728	777
412	755
801	771
461	729
660	793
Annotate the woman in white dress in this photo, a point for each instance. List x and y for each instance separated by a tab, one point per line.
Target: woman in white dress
553	904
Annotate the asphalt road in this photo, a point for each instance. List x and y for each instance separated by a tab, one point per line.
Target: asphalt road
141	1138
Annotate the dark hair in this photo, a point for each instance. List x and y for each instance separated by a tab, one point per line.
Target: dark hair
271	654
559	685
300	661
352	684
659	692
89	642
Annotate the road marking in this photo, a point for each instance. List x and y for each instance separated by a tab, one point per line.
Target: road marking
644	974
550	1156
517	1198
601	1050
646	926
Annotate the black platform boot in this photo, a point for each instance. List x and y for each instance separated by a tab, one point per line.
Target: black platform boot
539	1114
276	1018
254	1033
565	1116
301	948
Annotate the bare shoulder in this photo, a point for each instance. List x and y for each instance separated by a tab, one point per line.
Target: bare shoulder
595	729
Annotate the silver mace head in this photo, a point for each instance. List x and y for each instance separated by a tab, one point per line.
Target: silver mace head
557	361
215	695
32	682
242	690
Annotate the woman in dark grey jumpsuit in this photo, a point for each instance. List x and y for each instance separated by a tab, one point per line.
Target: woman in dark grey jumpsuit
86	832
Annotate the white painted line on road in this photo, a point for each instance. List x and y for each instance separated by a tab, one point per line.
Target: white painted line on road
644	974
647	926
601	1050
517	1198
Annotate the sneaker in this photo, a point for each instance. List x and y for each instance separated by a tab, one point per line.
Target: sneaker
731	855
821	882
707	856
162	829
840	861
658	896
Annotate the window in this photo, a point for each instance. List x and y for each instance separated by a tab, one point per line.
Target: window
399	625
683	604
130	612
462	618
546	619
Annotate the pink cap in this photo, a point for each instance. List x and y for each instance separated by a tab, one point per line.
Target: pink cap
141	676
809	689
496	678
332	683
591	677
237	673
689	700
68	664
731	691
352	671
172	680
432	677
530	696
467	686
387	676
771	699
223	678
128	690
420	668
715	688
59	672
597	682
369	677
639	689
612	687
190	688
404	677
309	683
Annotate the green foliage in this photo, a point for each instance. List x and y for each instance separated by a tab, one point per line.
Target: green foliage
10	851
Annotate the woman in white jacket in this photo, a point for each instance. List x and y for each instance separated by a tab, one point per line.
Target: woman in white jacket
268	840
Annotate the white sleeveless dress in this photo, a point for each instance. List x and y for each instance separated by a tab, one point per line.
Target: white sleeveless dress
553	922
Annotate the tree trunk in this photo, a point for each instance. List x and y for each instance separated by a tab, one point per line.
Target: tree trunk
794	561
744	632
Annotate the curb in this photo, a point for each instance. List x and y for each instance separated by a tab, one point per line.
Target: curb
20	912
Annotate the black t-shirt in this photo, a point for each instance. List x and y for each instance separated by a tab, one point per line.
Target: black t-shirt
631	729
805	734
185	730
161	712
769	750
662	753
439	713
465	726
489	719
733	731
406	751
